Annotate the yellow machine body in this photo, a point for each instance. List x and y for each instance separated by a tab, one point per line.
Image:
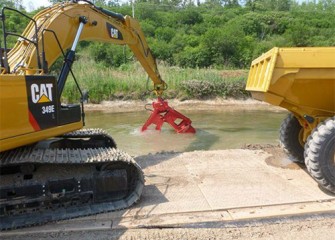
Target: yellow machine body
17	124
301	80
24	77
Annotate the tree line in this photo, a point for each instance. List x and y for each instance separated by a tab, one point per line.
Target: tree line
213	33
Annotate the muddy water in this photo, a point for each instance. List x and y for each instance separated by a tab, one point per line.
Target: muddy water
215	130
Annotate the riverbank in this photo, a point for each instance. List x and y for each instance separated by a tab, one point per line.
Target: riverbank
130	82
215	104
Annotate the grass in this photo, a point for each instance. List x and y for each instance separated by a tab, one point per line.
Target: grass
129	82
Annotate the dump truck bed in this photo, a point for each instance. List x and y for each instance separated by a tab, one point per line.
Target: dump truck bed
301	80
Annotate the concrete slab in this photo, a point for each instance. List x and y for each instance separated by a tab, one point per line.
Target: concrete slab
195	187
223	179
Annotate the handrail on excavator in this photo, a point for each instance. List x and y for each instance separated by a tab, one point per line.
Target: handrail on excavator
5	34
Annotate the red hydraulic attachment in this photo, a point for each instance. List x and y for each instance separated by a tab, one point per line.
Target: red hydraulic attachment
162	112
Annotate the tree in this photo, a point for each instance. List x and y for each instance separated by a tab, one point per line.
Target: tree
189	16
221	32
269	5
230	3
7	3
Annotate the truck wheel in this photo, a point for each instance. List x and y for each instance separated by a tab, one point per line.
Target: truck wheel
320	154
291	138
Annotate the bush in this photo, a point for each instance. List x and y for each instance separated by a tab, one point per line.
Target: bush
201	89
110	55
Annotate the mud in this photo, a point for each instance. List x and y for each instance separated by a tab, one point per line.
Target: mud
278	158
215	104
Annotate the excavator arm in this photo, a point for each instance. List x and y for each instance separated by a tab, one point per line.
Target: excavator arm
63	25
60	24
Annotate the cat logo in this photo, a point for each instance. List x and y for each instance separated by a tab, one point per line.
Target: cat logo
41	93
114	33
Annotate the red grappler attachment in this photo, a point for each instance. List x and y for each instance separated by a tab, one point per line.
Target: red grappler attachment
162	112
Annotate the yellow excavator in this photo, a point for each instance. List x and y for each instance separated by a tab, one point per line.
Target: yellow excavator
51	167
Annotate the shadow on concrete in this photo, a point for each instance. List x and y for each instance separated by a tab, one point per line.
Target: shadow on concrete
150	200
153	196
154	159
325	190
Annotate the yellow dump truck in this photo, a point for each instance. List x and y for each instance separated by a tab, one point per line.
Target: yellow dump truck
301	80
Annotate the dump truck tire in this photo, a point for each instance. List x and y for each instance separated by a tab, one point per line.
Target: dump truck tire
290	134
320	154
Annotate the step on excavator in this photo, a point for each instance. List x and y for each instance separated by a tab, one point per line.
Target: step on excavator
51	167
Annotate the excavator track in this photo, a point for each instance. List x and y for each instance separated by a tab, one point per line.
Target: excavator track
49	182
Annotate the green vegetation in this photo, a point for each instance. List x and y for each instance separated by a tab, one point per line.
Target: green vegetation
195	44
129	81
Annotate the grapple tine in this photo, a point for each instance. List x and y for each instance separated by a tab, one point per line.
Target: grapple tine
162	112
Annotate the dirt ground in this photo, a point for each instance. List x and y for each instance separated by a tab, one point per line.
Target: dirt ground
307	229
227	104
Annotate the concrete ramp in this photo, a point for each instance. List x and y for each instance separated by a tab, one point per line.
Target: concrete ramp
210	186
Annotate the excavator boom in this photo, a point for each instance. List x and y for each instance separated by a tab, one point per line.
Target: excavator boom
57	28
